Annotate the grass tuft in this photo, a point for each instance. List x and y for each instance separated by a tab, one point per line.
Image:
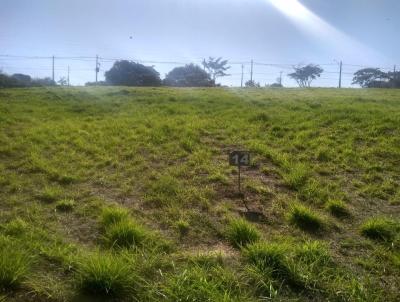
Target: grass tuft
16	227
314	252
106	275
65	205
270	259
337	208
199	283
14	264
113	215
382	229
305	218
241	233
125	234
49	194
183	227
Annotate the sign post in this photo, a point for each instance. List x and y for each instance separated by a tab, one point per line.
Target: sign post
239	159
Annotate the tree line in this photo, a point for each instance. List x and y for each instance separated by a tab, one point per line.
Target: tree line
129	73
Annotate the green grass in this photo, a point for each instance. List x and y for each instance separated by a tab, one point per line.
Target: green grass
183	227
304	218
65	205
110	216
126	234
15	264
49	194
379	228
337	208
105	274
152	189
241	233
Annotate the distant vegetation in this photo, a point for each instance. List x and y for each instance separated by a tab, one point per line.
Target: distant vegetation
375	78
129	73
188	76
22	80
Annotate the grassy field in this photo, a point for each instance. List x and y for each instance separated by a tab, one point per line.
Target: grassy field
126	194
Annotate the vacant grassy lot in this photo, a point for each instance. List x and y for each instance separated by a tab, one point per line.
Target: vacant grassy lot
126	194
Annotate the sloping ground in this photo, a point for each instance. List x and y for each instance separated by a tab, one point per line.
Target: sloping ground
126	194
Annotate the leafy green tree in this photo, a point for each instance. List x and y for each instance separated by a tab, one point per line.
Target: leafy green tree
304	75
188	76
369	77
216	67
127	73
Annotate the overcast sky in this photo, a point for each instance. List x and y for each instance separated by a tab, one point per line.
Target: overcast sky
283	32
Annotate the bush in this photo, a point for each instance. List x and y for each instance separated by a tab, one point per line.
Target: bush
106	275
113	215
65	205
305	219
14	264
382	229
240	233
125	234
337	208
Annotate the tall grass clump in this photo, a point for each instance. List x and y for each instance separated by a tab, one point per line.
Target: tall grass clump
49	194
65	205
314	253
381	229
105	274
337	208
14	264
270	259
305	219
241	233
199	283
113	215
296	177
125	234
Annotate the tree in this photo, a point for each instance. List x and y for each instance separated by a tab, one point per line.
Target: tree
7	81
370	77
43	82
252	83
306	74
394	79
62	81
216	67
127	73
188	76
23	79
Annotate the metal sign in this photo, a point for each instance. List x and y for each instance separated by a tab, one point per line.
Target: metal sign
239	158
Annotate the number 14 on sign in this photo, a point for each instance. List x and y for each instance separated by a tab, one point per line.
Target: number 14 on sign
239	159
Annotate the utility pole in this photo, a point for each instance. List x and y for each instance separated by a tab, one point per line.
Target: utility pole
97	67
53	70
340	74
280	78
68	76
251	72
241	81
